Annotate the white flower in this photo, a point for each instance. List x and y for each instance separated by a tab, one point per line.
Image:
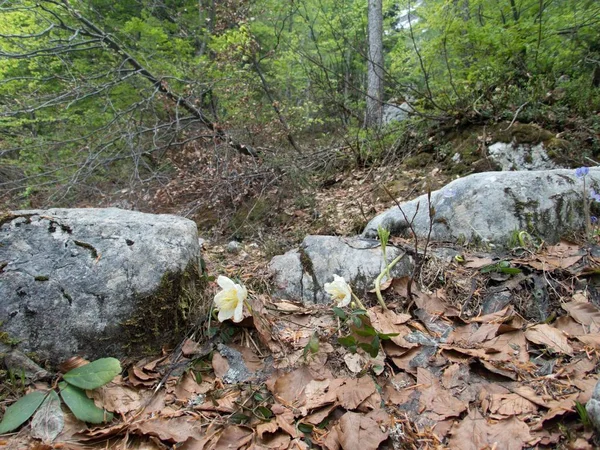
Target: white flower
339	290
230	301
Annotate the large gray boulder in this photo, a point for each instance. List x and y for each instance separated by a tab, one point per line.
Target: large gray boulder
593	407
513	156
95	282
490	206
301	274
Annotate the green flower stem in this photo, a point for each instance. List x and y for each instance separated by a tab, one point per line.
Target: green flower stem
385	271
358	302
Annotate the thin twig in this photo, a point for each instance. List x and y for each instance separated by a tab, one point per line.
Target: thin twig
516	115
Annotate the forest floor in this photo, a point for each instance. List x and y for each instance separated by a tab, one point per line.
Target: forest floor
433	372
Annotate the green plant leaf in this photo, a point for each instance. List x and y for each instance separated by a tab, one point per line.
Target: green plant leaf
366	331
340	313
509	270
264	412
313	343
489	268
94	374
81	406
347	341
239	418
356	321
305	428
18	413
386	337
372	351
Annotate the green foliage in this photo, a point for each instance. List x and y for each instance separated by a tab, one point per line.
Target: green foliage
583	414
94	374
82	407
19	412
312	346
74	112
501	267
89	376
476	52
360	328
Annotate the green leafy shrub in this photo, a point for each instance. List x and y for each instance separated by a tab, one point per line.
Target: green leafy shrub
72	391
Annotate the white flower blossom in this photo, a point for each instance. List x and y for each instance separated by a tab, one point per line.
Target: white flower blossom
230	301
339	290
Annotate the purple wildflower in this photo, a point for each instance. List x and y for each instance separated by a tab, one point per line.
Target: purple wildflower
582	172
594	195
594	219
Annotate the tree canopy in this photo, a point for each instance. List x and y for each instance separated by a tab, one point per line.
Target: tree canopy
99	90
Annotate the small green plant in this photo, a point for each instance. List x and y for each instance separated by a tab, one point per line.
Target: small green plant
583	414
312	346
360	328
501	267
520	239
72	391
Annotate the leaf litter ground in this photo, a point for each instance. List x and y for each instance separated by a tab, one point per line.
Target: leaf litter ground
447	375
480	360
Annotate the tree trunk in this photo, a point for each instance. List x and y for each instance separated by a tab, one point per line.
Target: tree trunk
375	64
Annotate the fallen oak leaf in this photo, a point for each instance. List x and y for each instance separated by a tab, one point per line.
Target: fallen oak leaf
584	313
544	334
475	432
358	432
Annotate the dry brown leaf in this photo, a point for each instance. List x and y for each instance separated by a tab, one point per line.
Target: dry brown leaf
331	441
398	389
586	386
174	430
355	362
359	432
266	427
190	348
590	340
497	367
118	398
318	416
187	387
579	368
224	404
544	334
353	392
287	306
319	393
278	441
584	313
504	315
285	419
475	432
290	388
435	399
507	347
507	405
220	365
557	408
474	352
138	377
234	437
570	326
485	332
528	393
474	262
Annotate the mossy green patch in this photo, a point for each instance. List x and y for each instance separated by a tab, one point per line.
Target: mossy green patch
165	316
521	134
